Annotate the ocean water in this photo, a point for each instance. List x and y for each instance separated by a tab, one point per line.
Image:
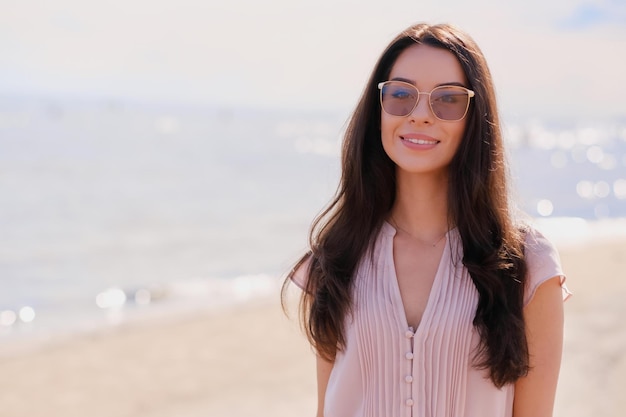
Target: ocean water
111	210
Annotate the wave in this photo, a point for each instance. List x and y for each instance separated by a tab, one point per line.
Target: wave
567	232
115	306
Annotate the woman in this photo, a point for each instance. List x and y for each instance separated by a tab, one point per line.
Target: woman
423	295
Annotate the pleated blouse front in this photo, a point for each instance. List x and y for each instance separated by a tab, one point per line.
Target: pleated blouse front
389	369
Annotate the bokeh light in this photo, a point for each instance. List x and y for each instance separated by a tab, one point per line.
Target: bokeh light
584	189
7	318
545	207
601	189
27	314
595	154
143	296
619	189
111	298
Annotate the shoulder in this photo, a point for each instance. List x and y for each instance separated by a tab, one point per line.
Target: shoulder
539	251
543	263
299	275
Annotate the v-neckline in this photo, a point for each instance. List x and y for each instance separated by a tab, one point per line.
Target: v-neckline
433	289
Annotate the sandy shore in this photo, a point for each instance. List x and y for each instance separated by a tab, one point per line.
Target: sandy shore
252	361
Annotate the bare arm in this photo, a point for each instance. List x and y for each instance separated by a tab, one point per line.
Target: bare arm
534	394
323	374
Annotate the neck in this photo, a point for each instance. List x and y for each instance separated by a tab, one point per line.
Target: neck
421	207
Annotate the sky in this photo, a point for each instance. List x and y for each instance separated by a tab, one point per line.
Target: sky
557	58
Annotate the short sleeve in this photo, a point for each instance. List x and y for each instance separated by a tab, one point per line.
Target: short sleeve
301	273
543	262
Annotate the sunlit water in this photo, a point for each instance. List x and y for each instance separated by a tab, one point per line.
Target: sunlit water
111	209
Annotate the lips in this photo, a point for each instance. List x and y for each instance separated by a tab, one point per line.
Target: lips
419	139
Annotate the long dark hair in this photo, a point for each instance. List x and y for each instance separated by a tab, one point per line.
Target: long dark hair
478	206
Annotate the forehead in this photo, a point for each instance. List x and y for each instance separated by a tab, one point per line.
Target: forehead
427	67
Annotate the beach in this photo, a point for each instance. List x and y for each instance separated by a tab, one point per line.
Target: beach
161	168
244	361
251	360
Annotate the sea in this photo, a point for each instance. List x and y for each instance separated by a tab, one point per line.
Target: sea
117	210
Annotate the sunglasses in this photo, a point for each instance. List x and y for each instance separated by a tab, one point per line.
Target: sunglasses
447	102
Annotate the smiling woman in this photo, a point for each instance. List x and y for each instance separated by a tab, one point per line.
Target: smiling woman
423	294
434	125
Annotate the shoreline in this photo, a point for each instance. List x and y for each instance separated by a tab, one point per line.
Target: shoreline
197	295
248	359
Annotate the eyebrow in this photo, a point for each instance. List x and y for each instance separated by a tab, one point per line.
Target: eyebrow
412	82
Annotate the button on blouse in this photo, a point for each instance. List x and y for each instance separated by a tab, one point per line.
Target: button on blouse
387	370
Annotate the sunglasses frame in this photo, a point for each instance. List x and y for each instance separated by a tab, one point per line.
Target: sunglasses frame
382	84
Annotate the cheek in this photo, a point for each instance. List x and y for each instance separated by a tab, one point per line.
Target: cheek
386	133
458	133
388	124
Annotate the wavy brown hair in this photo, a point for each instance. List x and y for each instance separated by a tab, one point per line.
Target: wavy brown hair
477	202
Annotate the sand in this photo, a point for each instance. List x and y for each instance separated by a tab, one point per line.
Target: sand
251	361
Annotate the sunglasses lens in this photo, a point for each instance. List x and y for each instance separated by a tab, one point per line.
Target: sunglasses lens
398	98
449	103
446	102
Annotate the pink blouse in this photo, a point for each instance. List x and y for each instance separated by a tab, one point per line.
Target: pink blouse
389	369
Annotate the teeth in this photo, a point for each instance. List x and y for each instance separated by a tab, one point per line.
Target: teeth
421	141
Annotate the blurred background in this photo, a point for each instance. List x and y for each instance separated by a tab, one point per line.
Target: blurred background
161	156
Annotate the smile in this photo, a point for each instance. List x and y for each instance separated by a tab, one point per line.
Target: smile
421	141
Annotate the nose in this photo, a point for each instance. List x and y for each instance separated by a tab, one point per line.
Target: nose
422	111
